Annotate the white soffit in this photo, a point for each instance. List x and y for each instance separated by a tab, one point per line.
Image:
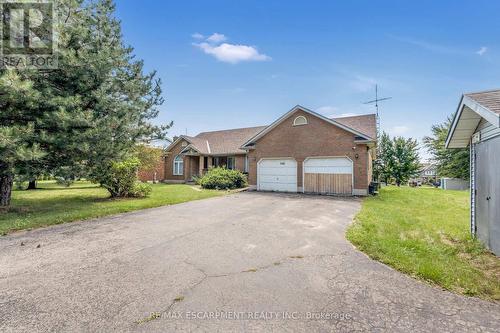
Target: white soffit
467	118
465	127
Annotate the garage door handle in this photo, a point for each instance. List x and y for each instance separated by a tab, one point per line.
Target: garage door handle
488	198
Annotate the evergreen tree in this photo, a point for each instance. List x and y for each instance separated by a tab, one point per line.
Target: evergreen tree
452	163
85	115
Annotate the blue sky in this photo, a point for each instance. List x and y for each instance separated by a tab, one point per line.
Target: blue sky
229	64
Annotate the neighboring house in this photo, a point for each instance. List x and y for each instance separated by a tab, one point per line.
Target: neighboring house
302	151
428	173
477	124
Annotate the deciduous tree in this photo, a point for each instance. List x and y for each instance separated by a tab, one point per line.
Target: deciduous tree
452	163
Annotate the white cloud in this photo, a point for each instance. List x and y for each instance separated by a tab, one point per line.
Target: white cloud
216	38
232	53
226	52
482	50
197	35
399	130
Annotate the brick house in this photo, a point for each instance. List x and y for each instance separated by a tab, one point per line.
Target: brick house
302	151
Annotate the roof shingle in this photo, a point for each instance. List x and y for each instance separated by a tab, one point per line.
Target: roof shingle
366	124
489	99
225	141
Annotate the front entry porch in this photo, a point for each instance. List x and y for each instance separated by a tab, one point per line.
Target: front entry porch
198	165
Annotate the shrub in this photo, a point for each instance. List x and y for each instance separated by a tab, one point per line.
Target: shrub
121	180
222	178
66	182
140	190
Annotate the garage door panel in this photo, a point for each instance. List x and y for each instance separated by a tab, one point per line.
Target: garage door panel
331	175
328	169
289	171
282	187
277	163
278	179
277	175
327	162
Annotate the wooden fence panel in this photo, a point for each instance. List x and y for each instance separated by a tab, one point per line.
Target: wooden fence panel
328	183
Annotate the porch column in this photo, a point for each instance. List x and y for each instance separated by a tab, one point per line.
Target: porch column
200	171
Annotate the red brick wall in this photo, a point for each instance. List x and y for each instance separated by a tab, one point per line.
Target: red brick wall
239	161
317	138
169	163
149	175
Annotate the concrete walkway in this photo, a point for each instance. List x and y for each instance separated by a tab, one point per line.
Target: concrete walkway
245	262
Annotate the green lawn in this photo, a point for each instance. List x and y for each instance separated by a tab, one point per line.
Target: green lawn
52	204
424	232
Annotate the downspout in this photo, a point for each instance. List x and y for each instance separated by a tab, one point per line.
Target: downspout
472	189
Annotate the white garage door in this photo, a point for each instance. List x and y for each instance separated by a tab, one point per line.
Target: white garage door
328	175
277	175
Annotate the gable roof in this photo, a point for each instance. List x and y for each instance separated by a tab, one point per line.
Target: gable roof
471	109
427	166
233	141
225	142
345	124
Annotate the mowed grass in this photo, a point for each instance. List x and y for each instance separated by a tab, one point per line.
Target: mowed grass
424	232
53	204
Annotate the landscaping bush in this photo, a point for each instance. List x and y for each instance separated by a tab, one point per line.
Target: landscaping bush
222	178
121	180
140	190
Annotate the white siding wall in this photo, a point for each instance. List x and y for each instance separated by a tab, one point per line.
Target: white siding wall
487	130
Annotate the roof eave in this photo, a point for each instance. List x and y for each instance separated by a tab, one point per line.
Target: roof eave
482	111
177	141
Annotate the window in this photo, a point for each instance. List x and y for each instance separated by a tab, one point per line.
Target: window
246	163
230	163
300	120
205	162
184	144
215	162
178	166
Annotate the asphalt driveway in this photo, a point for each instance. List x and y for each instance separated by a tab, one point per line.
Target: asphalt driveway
244	262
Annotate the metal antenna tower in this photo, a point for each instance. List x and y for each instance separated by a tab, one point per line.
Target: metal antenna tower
376	100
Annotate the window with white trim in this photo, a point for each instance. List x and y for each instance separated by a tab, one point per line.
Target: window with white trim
178	165
230	163
300	120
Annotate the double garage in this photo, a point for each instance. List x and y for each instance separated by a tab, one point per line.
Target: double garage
323	175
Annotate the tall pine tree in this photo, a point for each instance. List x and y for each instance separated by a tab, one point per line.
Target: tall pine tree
86	114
